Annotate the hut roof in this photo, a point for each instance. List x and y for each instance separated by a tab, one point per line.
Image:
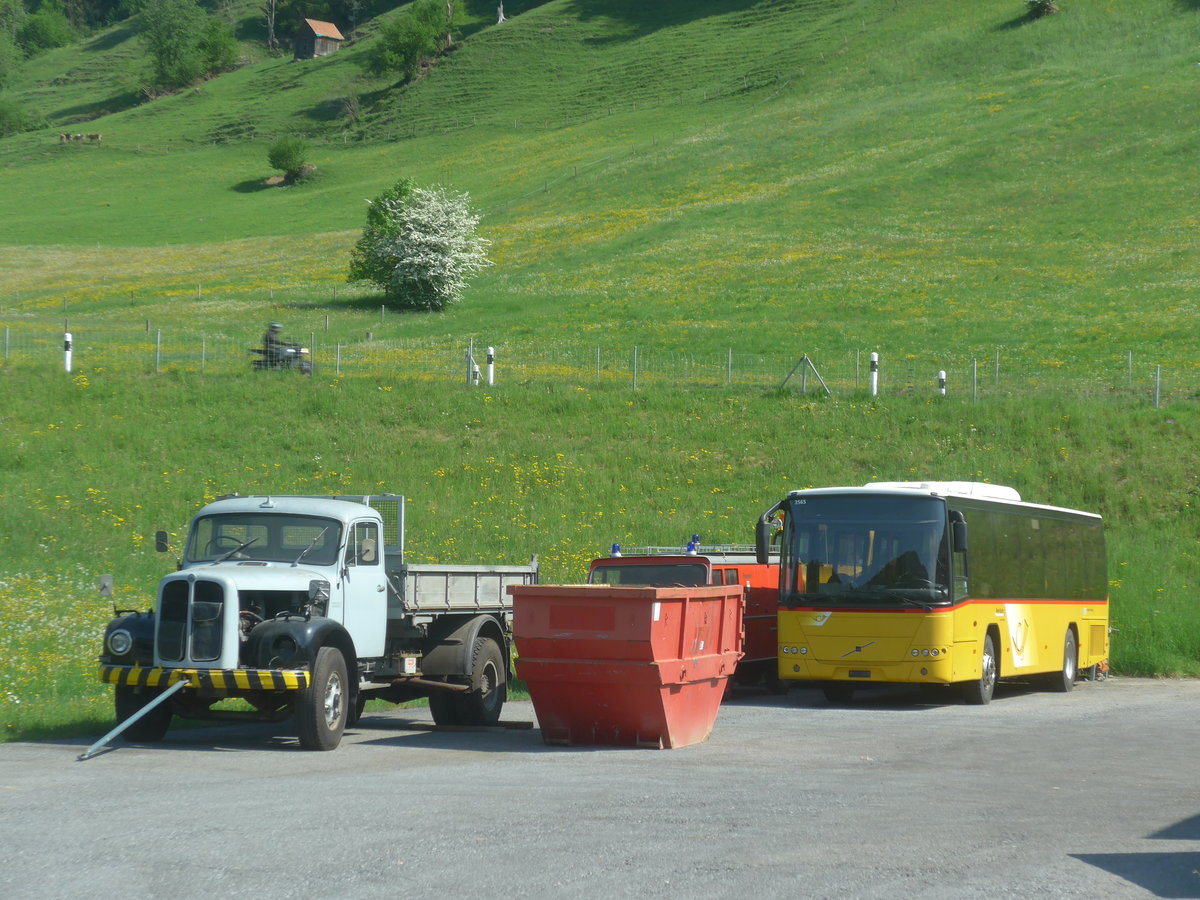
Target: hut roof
324	29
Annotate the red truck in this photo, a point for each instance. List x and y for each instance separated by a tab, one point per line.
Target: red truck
699	564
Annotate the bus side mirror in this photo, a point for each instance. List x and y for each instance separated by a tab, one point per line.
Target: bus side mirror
162	541
763	530
762	541
958	531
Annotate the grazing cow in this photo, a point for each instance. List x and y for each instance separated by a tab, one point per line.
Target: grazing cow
77	137
94	137
63	137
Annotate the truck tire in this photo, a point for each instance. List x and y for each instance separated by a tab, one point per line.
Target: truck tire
443	706
481	705
321	707
150	727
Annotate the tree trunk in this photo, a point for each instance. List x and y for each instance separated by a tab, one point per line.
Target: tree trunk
270	9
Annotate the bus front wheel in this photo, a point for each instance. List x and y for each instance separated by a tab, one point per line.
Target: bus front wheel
980	692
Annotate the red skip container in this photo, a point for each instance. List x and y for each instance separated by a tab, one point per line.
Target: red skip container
635	666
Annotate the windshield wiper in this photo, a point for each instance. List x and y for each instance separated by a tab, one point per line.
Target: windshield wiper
311	544
238	549
872	594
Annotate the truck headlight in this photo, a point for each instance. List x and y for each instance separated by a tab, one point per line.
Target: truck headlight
318	595
120	642
283	650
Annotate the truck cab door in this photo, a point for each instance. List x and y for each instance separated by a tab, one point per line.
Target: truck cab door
364	589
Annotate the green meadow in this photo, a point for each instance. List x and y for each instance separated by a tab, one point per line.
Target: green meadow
717	187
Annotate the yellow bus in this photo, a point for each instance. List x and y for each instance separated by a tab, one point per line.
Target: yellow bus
936	583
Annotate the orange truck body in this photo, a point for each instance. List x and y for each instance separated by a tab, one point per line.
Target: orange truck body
711	566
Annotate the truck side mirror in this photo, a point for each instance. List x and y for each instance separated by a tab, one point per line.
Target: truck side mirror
162	541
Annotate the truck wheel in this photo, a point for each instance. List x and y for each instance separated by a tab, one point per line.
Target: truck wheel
481	705
321	707
443	706
150	727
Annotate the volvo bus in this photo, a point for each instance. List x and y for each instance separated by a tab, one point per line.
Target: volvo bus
950	583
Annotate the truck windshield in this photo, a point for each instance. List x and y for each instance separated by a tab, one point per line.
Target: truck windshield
865	550
651	574
270	537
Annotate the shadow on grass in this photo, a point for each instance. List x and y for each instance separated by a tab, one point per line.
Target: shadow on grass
110	39
252	186
1028	18
485	11
646	18
85	112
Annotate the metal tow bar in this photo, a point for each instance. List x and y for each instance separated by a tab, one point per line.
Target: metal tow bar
161	698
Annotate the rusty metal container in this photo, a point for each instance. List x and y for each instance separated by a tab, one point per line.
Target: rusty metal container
633	666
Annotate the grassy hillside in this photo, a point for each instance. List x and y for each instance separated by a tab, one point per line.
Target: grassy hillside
950	176
935	180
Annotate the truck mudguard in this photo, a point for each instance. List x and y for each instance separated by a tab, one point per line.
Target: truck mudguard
293	642
451	642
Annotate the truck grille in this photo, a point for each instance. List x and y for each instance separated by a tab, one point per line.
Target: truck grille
189	621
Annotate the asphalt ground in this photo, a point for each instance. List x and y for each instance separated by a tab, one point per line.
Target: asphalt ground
1089	794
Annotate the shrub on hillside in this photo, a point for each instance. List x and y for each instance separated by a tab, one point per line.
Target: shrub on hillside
420	246
45	29
1039	8
289	155
10	58
406	42
14	119
184	43
218	47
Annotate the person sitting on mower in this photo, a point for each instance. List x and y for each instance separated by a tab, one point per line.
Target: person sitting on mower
273	345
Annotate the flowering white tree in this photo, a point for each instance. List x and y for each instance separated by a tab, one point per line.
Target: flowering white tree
420	245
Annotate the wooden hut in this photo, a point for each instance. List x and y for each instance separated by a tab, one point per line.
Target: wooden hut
314	38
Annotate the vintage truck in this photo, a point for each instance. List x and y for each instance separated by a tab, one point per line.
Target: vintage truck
305	607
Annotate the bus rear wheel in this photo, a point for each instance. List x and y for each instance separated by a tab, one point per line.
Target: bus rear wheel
1063	680
979	693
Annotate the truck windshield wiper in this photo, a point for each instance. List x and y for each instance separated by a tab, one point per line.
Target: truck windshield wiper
311	544
238	549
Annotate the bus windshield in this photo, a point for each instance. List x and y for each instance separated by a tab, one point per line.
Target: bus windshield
865	550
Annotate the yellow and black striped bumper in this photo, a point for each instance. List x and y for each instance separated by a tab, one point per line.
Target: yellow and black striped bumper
227	680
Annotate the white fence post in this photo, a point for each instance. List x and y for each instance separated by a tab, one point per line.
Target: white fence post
874	374
66	350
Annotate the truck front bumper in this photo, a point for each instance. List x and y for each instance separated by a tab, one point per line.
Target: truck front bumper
228	681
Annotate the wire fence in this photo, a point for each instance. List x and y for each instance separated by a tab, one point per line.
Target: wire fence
836	373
